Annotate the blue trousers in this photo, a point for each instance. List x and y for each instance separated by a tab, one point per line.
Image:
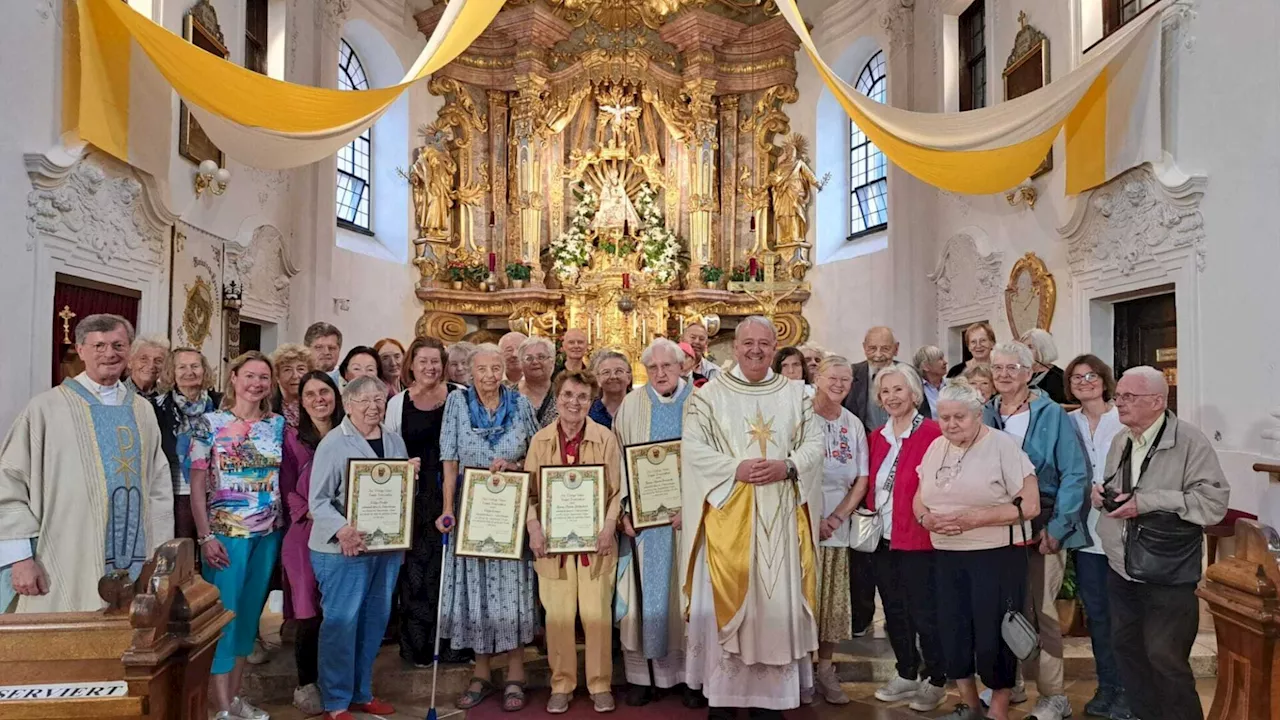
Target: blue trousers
355	601
244	585
1091	582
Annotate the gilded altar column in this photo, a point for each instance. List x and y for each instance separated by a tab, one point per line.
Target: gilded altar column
703	144
498	171
527	146
728	178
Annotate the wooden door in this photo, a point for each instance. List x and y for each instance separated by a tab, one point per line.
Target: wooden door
1146	333
74	300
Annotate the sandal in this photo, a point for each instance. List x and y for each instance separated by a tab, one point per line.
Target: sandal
471	698
513	699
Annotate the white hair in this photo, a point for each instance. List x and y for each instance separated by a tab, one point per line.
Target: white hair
159	342
812	347
909	376
959	390
603	356
483	349
927	354
365	384
513	336
462	349
1016	350
662	345
759	320
537	341
1043	348
1152	378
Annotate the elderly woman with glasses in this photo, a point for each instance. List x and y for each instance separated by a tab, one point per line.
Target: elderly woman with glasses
1049	438
579	585
903	564
1091	384
488	604
356	586
537	362
979	338
291	361
976	487
613	371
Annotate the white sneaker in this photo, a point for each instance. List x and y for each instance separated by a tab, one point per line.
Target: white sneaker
1053	707
897	689
928	698
1019	695
260	654
829	685
307	700
240	708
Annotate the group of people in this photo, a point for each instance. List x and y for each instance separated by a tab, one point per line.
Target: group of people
809	483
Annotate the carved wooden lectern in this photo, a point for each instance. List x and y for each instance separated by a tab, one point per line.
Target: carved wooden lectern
1243	593
146	655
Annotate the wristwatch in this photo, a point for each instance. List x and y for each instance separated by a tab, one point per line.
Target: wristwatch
793	473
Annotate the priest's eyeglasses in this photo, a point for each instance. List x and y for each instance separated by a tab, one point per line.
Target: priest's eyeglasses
99	348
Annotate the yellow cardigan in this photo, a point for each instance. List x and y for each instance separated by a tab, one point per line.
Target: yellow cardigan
599	447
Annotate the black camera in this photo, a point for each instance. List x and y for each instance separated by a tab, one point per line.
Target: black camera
1109	501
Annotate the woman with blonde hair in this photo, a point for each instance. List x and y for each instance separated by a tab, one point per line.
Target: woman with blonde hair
291	362
979	339
187	395
235	502
982	380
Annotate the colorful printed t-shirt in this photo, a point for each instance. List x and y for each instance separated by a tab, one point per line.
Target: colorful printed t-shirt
243	461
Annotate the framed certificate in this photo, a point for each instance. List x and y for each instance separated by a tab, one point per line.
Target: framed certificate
572	504
491	519
380	502
653	480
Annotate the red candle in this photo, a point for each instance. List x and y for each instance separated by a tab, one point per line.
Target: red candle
493	261
626	281
751	268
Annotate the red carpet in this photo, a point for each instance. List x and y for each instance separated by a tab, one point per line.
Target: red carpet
668	708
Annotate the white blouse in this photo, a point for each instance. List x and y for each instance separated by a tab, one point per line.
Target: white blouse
843	462
1097	444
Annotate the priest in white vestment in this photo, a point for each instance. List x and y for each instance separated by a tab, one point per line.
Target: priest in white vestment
647	604
85	488
751	472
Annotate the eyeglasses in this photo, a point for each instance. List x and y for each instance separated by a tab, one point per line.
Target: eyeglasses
1010	369
575	399
667	367
611	373
364	402
1127	398
100	347
537	358
1085	378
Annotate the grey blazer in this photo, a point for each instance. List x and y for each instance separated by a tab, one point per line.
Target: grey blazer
328	497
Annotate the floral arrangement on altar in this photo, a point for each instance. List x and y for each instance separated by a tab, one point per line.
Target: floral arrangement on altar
572	250
659	245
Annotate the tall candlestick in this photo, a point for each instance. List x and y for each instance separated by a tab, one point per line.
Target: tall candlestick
493	261
644	330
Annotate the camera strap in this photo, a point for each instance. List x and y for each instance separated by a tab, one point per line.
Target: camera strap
1126	460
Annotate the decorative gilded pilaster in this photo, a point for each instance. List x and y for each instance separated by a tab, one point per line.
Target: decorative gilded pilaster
498	174
528	145
728	178
702	173
766	120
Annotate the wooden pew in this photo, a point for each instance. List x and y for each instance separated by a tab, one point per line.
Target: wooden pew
1243	593
146	655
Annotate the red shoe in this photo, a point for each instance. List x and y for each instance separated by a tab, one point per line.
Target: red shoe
340	715
374	707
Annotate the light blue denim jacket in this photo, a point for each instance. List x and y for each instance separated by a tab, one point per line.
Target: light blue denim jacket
1062	468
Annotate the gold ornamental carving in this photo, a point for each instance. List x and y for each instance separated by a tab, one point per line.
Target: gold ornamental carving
444	326
617	15
1031	296
792	186
197	316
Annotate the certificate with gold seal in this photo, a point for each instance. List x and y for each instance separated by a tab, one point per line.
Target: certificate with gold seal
380	502
492	514
572	505
653	482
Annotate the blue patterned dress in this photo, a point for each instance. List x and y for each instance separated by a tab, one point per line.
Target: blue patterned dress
488	605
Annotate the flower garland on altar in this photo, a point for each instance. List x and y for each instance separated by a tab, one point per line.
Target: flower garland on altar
572	249
659	244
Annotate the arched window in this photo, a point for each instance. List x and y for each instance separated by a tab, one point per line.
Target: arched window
869	190
353	160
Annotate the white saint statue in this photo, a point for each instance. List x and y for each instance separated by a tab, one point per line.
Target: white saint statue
615	210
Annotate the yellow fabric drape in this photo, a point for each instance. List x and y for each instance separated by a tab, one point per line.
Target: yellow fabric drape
115	40
994	149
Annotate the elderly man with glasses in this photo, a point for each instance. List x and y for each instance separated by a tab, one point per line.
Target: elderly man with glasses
1163	476
1049	439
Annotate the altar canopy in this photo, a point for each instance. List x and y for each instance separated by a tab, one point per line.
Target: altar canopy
126	60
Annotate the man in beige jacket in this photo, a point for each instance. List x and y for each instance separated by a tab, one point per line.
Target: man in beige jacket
1162	475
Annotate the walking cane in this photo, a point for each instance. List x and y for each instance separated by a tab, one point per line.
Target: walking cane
435	663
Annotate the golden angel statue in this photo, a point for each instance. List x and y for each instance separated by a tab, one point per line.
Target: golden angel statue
792	184
431	178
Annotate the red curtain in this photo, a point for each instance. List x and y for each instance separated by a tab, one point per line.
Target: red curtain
83	301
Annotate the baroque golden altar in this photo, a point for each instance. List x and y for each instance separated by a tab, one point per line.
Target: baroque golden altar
623	151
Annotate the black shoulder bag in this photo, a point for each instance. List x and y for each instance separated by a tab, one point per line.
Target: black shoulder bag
1159	547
